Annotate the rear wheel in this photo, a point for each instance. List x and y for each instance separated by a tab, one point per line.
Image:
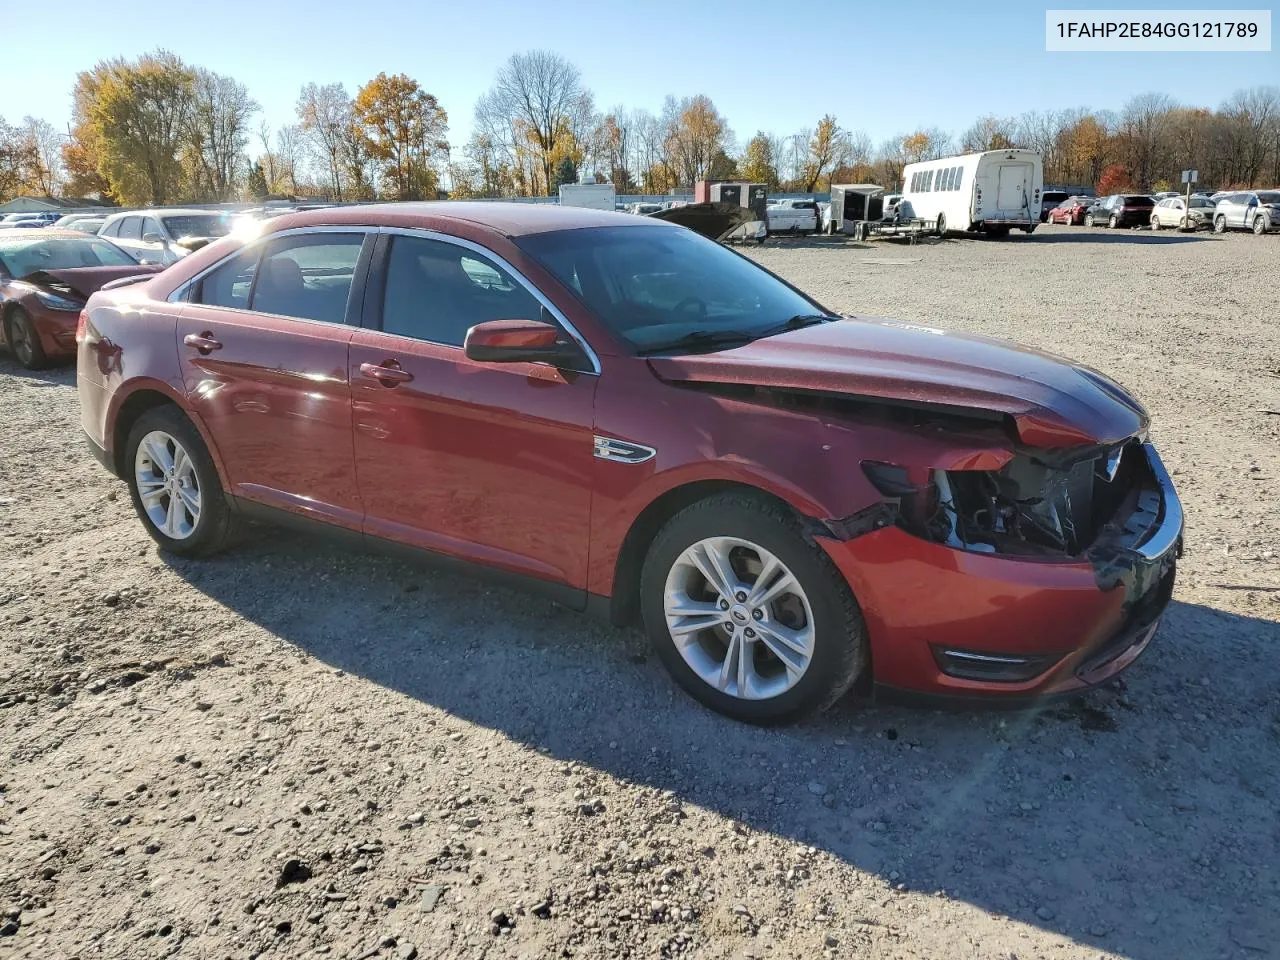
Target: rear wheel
1155	222
942	225
1088	219
751	619
24	340
1113	222
1220	224
174	485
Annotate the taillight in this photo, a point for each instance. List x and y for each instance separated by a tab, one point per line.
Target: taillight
82	326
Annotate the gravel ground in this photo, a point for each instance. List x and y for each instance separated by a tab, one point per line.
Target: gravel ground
288	750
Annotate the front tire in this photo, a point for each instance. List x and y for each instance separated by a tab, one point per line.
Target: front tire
1219	224
942	225
174	485
24	340
1259	226
749	617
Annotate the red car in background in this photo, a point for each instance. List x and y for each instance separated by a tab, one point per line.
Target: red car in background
642	422
45	279
1071	211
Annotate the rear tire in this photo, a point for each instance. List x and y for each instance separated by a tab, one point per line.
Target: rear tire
24	340
749	532
1088	219
1113	222
941	228
174	485
1155	222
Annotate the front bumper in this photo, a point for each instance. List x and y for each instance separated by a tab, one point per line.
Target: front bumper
57	331
1088	618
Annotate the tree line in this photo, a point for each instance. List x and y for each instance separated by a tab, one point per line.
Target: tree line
158	130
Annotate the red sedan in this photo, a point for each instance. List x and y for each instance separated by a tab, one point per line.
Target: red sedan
641	422
45	278
1071	211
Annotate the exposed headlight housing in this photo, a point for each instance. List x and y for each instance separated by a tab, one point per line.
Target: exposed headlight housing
55	302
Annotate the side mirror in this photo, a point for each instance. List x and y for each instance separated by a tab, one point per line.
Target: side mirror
152	238
515	341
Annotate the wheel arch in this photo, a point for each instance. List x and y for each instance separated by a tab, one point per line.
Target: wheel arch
126	411
624	599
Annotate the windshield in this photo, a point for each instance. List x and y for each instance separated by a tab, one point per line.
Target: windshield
1269	196
1202	202
196	225
655	286
24	256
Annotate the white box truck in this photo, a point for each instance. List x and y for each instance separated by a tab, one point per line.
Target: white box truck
596	196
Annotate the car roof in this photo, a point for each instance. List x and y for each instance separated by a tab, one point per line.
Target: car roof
171	212
509	219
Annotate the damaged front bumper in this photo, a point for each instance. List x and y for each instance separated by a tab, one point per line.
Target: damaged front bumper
954	623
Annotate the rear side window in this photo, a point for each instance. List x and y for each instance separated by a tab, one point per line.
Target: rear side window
307	276
436	291
112	229
131	228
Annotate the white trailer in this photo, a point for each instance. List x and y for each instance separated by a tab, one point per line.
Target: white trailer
989	192
596	196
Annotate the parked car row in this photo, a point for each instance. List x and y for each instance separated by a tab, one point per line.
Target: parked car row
1254	210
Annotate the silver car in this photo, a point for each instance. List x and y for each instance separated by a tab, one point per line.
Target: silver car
165	236
1256	210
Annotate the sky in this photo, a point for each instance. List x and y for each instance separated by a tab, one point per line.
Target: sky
885	68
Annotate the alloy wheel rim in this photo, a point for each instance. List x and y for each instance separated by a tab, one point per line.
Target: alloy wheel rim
739	618
21	341
168	485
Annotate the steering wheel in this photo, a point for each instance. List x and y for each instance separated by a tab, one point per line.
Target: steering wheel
688	302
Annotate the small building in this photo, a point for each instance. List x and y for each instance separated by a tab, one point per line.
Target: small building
44	204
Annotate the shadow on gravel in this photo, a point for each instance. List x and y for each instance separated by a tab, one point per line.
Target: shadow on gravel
57	376
1121	236
1140	821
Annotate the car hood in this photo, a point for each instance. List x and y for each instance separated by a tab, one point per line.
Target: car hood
714	220
83	281
1053	402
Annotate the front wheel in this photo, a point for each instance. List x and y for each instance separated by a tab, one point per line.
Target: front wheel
753	620
942	225
174	484
1259	226
24	340
1219	224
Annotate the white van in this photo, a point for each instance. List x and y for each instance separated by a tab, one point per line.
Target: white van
989	192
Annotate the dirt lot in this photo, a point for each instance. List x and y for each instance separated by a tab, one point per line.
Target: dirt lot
290	751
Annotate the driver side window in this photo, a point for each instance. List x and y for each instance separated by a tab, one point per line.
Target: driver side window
436	291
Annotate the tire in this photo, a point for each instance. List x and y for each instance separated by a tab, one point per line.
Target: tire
165	429
1259	226
1088	219
1155	222
745	530
1219	224
941	228
1113	222
24	340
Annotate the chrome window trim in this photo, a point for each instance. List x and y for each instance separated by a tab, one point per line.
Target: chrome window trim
426	233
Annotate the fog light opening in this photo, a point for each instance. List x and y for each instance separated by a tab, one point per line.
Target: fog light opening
992	667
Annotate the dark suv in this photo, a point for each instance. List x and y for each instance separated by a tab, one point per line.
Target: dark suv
1120	210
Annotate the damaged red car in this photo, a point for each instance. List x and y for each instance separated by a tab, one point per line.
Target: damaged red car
45	279
643	423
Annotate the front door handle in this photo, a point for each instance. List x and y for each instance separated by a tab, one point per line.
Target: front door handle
388	373
204	342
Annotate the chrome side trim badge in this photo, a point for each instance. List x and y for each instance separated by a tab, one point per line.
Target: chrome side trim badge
606	448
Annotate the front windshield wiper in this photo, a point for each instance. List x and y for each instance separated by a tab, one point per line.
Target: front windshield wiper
798	322
701	338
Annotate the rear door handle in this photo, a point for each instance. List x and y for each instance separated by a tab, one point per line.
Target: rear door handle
204	342
385	373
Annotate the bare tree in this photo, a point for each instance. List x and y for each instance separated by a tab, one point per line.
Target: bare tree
1144	130
217	131
541	95
1252	114
325	115
43	148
